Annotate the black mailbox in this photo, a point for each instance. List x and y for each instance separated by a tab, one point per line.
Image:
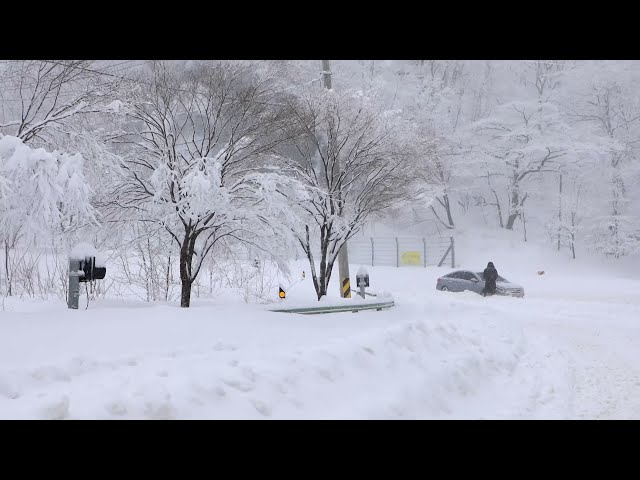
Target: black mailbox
90	271
99	272
362	277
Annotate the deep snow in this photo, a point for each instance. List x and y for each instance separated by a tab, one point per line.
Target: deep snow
569	349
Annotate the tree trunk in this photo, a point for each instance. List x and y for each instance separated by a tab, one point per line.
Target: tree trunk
185	298
323	280
321	291
6	267
510	221
167	279
497	204
559	211
186	257
513	209
573	246
306	247
448	209
573	234
316	281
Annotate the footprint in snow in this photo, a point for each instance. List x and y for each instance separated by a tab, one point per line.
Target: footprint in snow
249	374
238	385
116	408
58	410
261	407
163	410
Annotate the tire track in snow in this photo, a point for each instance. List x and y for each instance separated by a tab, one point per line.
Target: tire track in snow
585	358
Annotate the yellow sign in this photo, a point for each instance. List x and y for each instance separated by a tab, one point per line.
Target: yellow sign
346	288
411	258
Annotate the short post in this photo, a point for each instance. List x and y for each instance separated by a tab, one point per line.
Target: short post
362	279
74	283
82	269
372	255
397	253
424	251
444	257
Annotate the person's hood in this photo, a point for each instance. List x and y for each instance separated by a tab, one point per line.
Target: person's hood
490	265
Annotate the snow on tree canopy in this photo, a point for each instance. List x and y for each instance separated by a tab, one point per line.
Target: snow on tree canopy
114	106
40	189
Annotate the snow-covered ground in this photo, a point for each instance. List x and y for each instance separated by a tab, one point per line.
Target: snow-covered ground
569	349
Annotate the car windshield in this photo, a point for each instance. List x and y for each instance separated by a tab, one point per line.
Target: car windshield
500	279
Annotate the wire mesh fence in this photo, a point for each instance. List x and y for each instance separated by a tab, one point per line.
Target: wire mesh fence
402	251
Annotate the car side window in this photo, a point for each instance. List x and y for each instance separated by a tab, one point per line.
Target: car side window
457	275
467	275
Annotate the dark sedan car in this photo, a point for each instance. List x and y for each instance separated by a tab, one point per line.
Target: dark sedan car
462	280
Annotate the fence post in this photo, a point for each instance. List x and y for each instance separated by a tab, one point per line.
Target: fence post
453	254
444	257
424	251
372	251
397	253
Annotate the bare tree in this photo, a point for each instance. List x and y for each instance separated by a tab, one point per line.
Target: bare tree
441	173
351	165
494	202
41	96
519	146
196	144
438	107
543	75
522	139
617	119
39	100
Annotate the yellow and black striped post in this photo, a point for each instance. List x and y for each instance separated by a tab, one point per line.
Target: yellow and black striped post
346	288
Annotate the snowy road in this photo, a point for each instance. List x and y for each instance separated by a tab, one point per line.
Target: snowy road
567	350
599	348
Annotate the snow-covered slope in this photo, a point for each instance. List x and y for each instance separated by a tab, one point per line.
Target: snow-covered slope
569	349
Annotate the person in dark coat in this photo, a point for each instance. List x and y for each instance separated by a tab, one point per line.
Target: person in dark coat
490	277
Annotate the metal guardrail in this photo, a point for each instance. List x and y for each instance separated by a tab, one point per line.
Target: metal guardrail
335	309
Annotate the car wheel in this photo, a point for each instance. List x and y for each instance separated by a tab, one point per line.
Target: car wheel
444	289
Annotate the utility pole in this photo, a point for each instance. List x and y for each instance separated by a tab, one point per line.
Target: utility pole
343	254
559	211
326	74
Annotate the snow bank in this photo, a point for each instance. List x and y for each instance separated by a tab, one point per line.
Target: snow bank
569	349
244	363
